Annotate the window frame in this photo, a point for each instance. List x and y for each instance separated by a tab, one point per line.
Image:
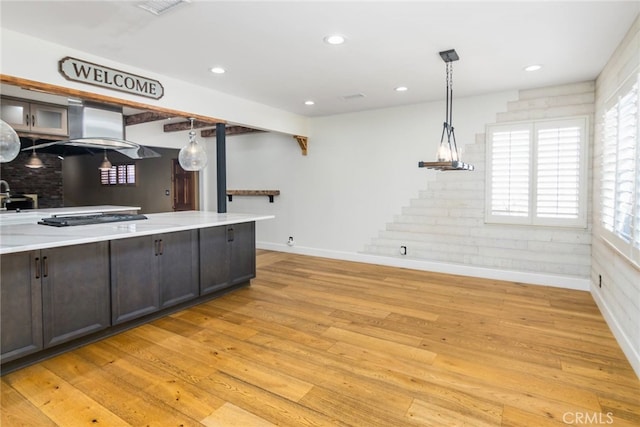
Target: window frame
629	249
113	175
532	217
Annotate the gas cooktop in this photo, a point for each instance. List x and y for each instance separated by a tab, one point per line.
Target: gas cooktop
65	221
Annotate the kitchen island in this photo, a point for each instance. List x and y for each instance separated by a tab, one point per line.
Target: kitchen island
66	286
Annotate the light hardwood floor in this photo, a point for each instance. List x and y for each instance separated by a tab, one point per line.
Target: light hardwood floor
323	342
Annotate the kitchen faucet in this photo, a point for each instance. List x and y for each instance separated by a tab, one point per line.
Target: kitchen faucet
7	194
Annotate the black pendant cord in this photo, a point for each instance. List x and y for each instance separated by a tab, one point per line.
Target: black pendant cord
450	132
446	109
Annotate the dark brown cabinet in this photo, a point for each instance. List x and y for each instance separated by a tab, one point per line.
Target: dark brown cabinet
53	296
152	272
178	267
21	306
227	256
75	291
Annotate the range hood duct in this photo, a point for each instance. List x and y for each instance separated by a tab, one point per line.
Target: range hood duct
100	127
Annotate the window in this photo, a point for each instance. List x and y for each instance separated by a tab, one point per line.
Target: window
620	180
124	174
537	173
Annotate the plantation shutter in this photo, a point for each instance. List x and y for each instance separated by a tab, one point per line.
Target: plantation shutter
609	161
108	176
537	172
131	173
558	172
620	192
119	175
510	158
626	164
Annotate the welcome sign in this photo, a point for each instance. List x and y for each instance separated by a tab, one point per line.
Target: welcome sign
98	75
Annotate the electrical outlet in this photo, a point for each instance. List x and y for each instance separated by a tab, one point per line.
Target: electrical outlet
290	242
403	250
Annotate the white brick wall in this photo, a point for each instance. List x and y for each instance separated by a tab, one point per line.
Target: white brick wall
619	297
446	222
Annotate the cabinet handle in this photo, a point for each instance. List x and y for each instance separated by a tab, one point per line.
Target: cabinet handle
38	272
46	266
161	247
27	120
230	234
155	247
33	120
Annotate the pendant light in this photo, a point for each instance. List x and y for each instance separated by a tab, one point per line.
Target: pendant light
34	161
106	164
448	157
192	156
9	143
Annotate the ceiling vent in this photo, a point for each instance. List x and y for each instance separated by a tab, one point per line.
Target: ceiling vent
159	7
352	96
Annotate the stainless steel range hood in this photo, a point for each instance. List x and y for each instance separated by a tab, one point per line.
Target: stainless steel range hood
96	127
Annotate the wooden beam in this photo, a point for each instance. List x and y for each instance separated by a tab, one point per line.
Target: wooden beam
303	142
89	96
146	117
151	109
230	131
180	126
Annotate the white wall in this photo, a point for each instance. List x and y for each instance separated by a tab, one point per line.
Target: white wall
361	168
619	297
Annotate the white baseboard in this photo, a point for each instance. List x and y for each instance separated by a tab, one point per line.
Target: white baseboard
623	340
558	281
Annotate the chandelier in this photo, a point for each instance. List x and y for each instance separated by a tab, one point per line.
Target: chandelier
448	156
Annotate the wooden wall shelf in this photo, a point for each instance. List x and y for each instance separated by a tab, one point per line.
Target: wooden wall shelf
269	193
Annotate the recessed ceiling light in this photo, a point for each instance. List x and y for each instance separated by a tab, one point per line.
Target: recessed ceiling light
401	89
309	102
218	70
334	39
534	67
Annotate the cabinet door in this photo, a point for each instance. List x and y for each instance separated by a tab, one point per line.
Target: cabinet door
16	114
134	283
214	259
49	119
21	305
75	291
178	266
34	117
243	251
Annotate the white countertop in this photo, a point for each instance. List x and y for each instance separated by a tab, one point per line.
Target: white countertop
32	236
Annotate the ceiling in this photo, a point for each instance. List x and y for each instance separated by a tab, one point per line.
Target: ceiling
274	52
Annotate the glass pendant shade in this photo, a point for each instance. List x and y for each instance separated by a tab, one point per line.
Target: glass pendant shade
192	157
9	143
34	161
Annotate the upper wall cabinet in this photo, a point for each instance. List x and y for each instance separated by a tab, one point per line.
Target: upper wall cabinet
24	116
